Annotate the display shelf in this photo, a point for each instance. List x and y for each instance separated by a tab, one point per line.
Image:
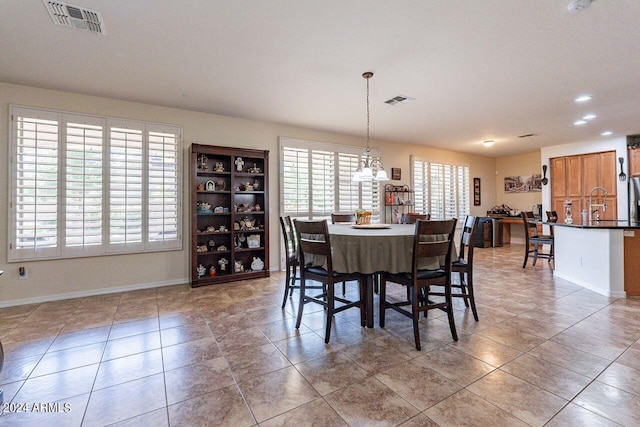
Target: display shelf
231	186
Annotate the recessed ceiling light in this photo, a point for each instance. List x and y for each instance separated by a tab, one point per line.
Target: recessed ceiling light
579	122
488	143
606	133
589	117
583	98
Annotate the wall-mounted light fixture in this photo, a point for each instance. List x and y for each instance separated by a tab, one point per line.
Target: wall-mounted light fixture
622	176
544	181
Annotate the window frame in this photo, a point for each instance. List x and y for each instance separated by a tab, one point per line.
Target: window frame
461	192
369	201
63	249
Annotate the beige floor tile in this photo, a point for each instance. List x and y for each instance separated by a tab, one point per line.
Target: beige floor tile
631	357
244	340
576	416
420	420
135	327
570	358
131	345
18	369
467	409
486	349
547	375
370	402
606	348
70	358
276	393
171	320
611	403
67	412
157	418
305	347
180	334
282	329
418	385
124	369
456	365
195	380
224	407
517	397
259	361
313	414
331	372
190	352
59	385
374	355
511	336
622	377
80	338
131	399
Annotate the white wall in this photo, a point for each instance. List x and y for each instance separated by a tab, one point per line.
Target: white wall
592	146
84	276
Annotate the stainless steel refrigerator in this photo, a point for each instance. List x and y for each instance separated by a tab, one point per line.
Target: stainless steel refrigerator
634	199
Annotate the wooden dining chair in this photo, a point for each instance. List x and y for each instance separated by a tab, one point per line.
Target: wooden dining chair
533	237
432	240
412	217
340	218
314	242
291	258
464	265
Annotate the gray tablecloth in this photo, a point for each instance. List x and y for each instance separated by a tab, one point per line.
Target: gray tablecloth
371	250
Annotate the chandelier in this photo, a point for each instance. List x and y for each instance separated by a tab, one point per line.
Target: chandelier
364	172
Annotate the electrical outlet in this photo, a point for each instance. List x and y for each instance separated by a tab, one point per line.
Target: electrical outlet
22	273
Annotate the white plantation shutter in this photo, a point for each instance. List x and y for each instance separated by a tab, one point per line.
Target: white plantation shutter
348	190
441	190
86	185
295	181
125	186
315	180
83	182
322	183
35	187
163	204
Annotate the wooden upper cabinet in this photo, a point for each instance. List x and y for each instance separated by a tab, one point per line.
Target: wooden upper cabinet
574	176
590	173
607	172
634	162
558	179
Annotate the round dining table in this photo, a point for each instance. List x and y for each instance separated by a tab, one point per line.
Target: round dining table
374	248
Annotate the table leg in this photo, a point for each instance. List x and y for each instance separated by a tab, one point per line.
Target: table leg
369	299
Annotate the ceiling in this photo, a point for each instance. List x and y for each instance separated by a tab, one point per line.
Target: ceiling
490	69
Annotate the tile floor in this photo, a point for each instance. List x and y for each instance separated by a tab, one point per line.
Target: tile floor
545	352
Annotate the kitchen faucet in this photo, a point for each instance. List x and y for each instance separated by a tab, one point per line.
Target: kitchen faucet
597	205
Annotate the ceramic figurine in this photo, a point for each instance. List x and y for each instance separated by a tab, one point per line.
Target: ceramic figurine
238	267
257	264
222	262
239	164
201	270
212	271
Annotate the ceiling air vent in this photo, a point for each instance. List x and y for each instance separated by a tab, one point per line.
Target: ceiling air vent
72	16
400	99
528	135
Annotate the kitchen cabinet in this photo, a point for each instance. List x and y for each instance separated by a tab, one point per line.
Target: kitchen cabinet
634	161
573	178
229	214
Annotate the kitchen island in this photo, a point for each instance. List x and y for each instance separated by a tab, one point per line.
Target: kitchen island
600	255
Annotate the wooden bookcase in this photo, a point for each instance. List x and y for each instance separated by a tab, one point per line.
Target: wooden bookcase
398	199
229	214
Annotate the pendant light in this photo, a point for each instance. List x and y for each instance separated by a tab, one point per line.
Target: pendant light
364	172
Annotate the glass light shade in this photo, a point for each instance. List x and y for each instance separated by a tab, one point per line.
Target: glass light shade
356	176
366	174
381	175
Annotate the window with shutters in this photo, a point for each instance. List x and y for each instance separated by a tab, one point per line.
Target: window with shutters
316	180
441	190
87	186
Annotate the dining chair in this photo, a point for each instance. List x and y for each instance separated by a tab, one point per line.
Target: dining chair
464	265
412	217
341	218
314	244
291	257
432	240
533	237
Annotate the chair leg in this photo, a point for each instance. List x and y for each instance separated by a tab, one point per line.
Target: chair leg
363	295
301	303
293	279
383	301
344	288
472	299
330	308
535	254
286	286
415	317
526	255
452	322
463	289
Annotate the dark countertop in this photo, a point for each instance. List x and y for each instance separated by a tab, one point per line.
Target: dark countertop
606	224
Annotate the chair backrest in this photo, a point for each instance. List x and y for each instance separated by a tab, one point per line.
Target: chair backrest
433	239
337	218
288	236
412	217
466	238
552	216
313	239
530	230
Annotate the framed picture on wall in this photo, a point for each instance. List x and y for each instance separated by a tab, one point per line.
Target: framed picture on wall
396	173
476	192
